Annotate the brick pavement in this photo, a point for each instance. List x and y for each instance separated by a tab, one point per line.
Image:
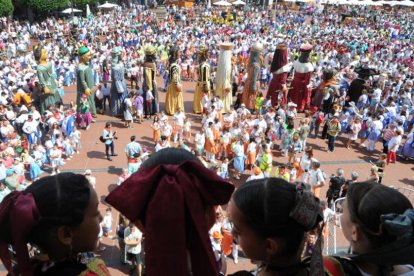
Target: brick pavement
92	157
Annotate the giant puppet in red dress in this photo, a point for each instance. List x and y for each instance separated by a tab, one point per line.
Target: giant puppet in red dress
280	69
300	91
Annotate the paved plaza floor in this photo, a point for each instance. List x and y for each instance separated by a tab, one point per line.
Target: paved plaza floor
107	172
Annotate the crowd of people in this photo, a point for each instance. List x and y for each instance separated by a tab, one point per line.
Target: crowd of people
264	83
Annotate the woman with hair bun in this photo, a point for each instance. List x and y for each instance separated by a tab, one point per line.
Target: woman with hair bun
57	215
378	221
271	218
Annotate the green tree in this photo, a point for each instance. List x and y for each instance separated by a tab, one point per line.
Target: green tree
82	3
6	7
45	6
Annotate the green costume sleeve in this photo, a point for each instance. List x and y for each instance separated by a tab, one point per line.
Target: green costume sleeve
82	77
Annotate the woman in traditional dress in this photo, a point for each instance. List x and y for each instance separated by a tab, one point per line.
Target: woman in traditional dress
49	95
174	98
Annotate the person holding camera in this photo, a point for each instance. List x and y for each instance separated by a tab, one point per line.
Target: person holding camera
108	136
335	185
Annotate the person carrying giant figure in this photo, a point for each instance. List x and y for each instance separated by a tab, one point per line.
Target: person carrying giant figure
253	72
85	81
203	81
119	89
300	91
223	76
174	98
49	95
149	83
280	68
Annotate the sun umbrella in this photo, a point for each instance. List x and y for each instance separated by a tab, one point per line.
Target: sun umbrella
70	10
222	3
88	10
406	3
107	6
239	2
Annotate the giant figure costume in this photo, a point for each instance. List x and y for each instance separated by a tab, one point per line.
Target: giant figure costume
119	89
360	83
49	95
329	84
150	83
203	81
174	98
253	72
280	69
85	80
303	69
223	76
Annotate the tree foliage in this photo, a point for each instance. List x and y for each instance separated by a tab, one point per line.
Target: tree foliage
82	3
45	6
6	8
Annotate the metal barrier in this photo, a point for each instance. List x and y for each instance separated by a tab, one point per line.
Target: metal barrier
332	225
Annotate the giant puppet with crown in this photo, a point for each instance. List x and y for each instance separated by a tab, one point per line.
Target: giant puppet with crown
253	72
300	91
149	83
280	68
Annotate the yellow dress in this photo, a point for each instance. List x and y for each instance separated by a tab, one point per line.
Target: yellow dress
174	98
202	82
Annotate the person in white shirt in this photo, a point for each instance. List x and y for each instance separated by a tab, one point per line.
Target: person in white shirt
133	238
393	146
199	141
316	178
179	118
107	222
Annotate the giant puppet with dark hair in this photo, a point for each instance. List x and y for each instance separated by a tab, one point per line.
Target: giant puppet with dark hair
49	95
85	80
253	72
150	83
280	69
174	98
203	81
303	69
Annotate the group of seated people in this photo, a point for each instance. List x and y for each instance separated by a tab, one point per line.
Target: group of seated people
173	199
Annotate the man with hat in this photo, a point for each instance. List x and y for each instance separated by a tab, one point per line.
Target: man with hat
300	90
359	84
85	80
